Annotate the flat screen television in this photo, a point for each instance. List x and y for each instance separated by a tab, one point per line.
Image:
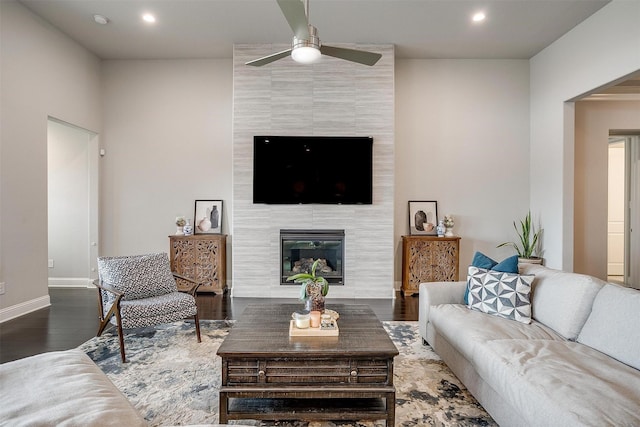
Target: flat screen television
312	169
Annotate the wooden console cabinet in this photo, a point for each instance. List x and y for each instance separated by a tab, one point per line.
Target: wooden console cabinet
428	259
201	257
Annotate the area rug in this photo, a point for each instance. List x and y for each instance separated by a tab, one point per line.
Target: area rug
172	379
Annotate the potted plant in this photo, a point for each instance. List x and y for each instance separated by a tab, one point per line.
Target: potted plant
528	241
180	222
314	288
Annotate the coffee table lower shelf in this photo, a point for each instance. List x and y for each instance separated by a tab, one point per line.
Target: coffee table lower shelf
307	405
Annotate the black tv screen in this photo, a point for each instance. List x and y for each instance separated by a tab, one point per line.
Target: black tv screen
312	169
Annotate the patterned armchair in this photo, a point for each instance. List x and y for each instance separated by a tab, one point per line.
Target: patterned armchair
139	291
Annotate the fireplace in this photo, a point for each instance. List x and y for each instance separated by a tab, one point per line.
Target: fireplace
300	248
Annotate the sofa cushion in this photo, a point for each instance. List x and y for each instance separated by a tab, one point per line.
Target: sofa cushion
62	388
480	260
613	327
155	310
561	383
466	330
501	294
507	265
561	300
138	276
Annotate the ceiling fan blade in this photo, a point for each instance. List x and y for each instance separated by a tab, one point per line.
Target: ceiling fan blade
353	55
294	12
269	58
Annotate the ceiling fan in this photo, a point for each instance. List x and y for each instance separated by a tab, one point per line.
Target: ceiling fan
306	47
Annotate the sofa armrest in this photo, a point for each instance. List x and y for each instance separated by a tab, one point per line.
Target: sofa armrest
435	293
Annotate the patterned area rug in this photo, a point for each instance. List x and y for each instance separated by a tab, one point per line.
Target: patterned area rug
173	380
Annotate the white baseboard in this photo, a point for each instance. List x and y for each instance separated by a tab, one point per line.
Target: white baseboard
24	308
70	282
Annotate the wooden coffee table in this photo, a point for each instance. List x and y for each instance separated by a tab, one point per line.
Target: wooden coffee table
268	375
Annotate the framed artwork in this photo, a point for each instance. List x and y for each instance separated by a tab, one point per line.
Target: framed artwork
423	217
207	218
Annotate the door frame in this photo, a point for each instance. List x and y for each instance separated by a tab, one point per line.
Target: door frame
631	204
93	140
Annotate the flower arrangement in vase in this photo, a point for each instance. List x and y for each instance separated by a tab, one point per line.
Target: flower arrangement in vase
180	222
448	225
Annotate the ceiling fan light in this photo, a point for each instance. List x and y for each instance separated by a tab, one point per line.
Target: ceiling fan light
100	19
306	54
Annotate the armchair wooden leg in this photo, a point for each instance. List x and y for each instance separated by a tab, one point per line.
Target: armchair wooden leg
197	321
120	336
103	325
104	321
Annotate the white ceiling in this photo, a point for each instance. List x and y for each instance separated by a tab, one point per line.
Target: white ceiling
514	29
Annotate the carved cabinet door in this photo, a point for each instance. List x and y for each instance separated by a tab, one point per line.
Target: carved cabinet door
428	259
200	257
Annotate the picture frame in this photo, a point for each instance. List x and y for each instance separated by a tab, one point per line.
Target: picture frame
423	217
207	217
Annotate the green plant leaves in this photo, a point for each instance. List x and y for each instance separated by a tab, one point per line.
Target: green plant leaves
527	242
306	278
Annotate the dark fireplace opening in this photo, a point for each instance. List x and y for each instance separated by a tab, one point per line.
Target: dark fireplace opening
299	249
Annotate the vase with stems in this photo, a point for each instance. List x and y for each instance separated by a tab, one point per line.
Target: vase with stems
315	299
313	288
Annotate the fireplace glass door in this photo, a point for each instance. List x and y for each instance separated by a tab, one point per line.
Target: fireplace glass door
301	248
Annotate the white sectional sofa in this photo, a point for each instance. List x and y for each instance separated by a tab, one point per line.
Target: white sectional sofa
62	388
577	363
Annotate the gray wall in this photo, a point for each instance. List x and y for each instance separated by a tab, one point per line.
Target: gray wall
462	139
602	49
168	142
43	73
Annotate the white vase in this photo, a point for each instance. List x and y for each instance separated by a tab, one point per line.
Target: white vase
179	231
448	232
187	229
204	224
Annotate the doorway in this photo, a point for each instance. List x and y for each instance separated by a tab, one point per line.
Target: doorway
72	204
623	244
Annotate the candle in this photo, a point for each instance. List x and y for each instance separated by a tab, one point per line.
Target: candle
302	320
315	319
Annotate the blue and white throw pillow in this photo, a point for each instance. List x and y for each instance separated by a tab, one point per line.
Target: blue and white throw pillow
502	294
480	260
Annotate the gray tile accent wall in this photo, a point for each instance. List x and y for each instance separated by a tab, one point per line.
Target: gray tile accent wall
332	97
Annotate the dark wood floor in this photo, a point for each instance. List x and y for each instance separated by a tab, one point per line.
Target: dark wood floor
72	319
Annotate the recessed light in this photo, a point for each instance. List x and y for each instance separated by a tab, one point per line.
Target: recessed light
479	17
147	17
100	19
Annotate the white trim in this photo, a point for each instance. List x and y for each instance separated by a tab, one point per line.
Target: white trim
70	282
24	308
632	244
